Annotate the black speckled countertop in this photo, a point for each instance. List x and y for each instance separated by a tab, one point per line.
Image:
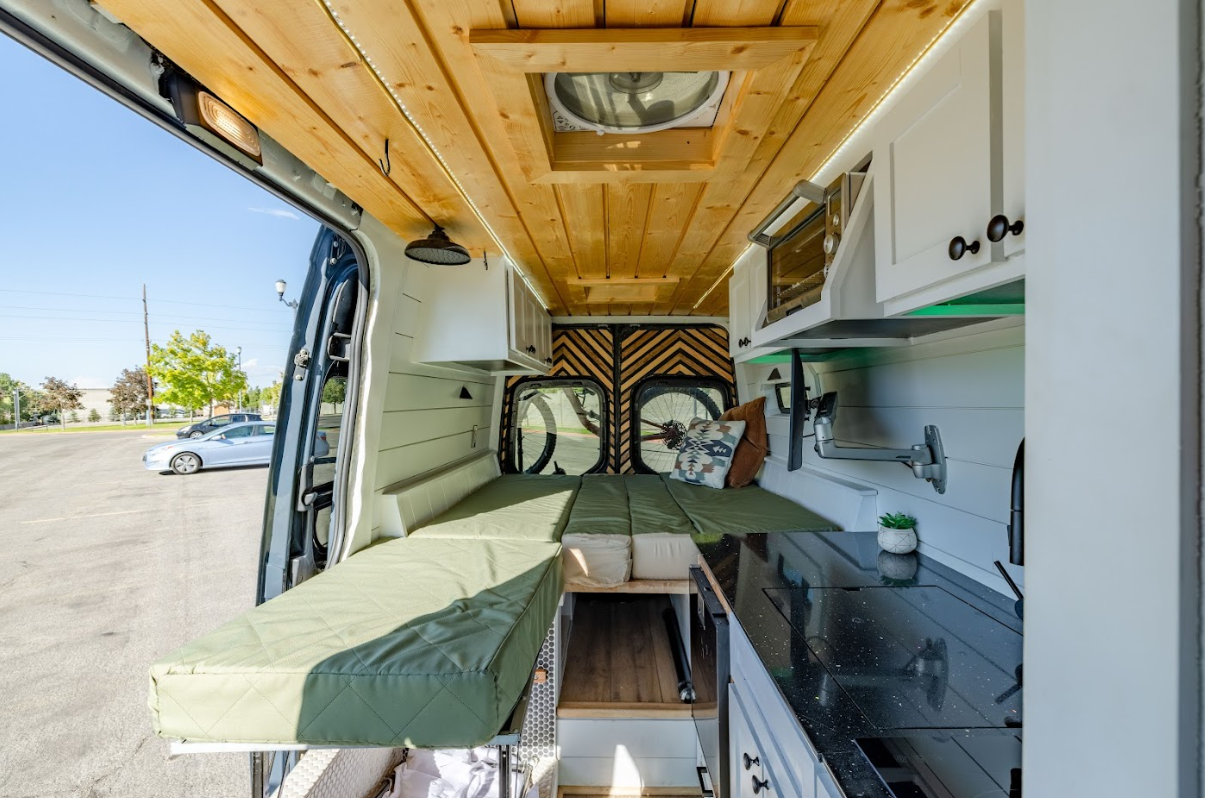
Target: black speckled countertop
866	644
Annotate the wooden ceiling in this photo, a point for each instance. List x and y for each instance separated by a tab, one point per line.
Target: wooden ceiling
663	216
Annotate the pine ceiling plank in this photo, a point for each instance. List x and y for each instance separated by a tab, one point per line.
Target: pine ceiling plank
897	34
203	40
627	215
735	13
402	54
555	13
647	13
424	47
308	47
672	205
840	23
583	207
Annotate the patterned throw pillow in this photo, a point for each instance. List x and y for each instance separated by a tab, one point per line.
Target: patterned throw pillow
706	454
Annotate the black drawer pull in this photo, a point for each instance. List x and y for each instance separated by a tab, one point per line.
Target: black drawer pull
960	247
999	227
750	761
760	784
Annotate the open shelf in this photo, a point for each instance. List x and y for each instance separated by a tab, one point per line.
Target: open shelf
619	663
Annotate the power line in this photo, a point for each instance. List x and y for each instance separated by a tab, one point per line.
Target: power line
136	313
262	344
117	321
127	298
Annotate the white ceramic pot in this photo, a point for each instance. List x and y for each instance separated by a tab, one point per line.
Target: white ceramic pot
897	541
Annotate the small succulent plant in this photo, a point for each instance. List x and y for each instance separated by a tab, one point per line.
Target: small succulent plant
897	521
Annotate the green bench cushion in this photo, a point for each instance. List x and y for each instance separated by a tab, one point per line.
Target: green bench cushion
511	507
600	507
738	511
413	642
651	507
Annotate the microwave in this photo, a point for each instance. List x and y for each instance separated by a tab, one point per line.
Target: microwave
800	254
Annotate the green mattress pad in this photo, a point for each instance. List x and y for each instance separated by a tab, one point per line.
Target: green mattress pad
512	507
652	508
738	511
600	507
413	642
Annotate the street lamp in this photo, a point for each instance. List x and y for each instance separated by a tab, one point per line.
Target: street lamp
280	294
238	350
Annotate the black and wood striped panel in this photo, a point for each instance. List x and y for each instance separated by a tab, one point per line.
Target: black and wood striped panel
646	352
618	357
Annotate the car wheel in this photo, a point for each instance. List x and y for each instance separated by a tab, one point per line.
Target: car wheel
195	434
185	463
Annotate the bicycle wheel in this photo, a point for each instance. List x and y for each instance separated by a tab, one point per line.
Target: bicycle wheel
534	435
665	412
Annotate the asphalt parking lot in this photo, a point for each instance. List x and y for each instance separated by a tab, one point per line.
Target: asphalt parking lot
105	567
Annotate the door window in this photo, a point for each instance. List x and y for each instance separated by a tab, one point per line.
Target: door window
663	410
238	432
265	429
557	427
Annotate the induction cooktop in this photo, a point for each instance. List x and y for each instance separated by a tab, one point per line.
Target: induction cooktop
909	657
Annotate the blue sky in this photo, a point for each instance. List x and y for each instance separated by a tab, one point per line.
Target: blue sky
97	201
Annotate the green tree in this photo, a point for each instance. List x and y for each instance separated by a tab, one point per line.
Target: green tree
270	396
128	394
335	391
194	372
57	395
253	397
94	415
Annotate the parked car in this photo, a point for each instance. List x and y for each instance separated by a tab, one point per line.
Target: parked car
247	443
217	422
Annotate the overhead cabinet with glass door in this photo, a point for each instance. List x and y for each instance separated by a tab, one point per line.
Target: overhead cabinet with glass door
482	316
948	172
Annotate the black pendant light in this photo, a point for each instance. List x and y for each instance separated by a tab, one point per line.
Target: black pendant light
438	250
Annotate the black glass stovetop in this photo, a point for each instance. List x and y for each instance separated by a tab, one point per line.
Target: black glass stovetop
909	657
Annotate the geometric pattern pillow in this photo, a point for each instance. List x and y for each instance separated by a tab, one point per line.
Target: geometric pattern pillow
706	454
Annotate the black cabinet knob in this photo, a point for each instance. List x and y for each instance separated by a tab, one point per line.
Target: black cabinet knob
960	247
548	360
999	227
750	761
760	784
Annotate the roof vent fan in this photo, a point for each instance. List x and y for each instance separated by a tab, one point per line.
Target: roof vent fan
634	102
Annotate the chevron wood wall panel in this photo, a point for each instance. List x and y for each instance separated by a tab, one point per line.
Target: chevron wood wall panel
648	352
619	357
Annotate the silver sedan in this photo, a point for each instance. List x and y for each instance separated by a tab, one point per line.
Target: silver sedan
249	443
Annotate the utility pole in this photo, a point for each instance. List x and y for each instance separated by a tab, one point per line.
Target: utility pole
150	386
17	407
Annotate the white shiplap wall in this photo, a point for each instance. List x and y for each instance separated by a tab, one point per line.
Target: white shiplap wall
425	424
970	386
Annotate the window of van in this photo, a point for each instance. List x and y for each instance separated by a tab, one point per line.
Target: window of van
663	409
558	426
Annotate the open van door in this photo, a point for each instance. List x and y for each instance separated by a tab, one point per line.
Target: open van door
305	516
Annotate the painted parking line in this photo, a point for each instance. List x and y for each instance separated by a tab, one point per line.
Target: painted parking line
75	517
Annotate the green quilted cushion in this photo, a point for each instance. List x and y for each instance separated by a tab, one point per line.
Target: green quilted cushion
737	511
652	508
600	507
422	643
511	507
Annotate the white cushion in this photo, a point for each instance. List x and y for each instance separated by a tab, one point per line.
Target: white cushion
662	555
597	560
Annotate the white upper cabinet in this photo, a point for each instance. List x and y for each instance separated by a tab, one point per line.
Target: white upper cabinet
1013	86
740	326
482	318
941	172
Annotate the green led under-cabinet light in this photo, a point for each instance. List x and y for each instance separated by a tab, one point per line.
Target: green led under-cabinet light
784	356
970	309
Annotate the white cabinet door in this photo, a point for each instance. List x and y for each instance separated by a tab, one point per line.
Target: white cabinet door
742	749
516	311
933	170
739	327
757	290
1012	78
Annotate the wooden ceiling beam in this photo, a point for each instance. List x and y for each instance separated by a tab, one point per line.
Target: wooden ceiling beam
648	49
896	35
202	39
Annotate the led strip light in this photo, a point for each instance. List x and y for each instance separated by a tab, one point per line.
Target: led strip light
906	78
351	38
